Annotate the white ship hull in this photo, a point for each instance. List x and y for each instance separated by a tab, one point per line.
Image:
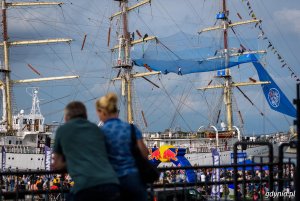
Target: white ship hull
198	150
24	161
225	156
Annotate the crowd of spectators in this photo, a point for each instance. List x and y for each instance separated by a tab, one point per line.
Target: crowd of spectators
253	190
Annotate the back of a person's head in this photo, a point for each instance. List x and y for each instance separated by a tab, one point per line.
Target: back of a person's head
109	103
75	109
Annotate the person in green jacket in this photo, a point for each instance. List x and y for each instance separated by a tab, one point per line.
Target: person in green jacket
80	147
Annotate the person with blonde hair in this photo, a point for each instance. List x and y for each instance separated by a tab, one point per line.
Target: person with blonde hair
119	147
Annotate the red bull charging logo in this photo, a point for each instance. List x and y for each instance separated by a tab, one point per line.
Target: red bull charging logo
165	153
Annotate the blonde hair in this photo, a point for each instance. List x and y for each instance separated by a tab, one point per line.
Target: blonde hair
109	103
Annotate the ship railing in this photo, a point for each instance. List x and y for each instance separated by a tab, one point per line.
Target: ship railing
175	183
118	63
203	148
22	149
171	136
50	128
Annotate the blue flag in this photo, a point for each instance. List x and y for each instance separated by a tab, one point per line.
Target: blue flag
275	97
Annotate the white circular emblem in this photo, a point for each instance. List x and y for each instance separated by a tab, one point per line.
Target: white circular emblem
274	97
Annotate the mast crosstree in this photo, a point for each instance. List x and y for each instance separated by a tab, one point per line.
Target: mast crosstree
6	44
124	59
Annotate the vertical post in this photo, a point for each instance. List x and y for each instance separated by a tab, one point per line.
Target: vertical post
238	131
281	169
298	147
126	63
129	100
217	135
227	89
235	172
6	68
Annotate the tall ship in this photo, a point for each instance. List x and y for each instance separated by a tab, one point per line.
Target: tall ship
25	138
183	54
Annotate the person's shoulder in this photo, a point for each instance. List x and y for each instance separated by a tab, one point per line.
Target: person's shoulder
77	122
115	122
93	126
66	125
61	129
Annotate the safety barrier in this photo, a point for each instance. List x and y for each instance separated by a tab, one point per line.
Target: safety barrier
237	181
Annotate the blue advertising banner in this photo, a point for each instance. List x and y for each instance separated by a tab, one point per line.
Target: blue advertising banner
3	163
240	155
215	191
48	153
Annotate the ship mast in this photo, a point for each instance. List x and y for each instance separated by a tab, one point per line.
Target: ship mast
6	68
229	84
127	79
228	80
124	62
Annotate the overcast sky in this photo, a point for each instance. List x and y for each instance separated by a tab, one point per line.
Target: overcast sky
74	19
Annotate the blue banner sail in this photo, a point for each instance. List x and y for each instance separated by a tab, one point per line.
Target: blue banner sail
187	66
275	97
184	53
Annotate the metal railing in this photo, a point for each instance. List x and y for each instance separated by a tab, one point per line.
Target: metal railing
238	181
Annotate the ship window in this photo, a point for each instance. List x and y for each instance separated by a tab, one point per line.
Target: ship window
24	121
9	142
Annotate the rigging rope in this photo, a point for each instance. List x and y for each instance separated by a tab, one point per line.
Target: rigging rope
169	96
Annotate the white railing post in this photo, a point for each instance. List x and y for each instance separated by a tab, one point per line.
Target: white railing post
217	135
238	131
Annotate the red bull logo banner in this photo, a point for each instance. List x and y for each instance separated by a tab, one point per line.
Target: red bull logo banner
168	153
165	153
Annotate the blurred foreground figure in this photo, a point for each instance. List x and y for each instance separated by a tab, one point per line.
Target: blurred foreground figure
79	145
119	146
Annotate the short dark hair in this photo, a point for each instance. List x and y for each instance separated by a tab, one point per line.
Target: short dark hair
76	109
